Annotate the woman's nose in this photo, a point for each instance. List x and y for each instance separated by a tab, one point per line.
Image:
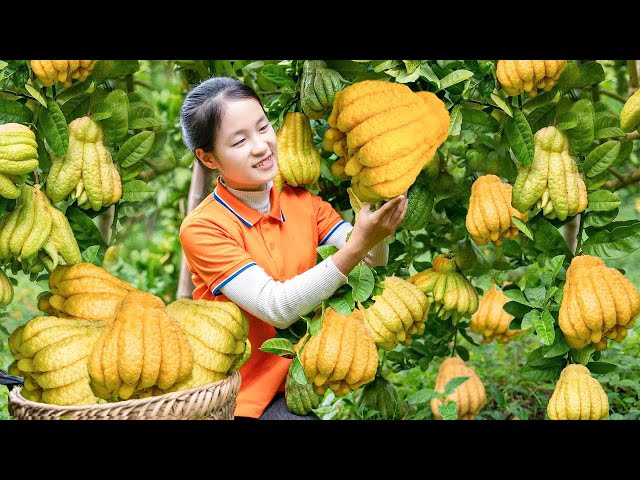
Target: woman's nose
259	146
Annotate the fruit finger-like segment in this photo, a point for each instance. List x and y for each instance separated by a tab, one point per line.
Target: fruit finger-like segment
25	220
92	306
329	346
347	348
8	189
41	225
372	105
66	351
63	376
170	361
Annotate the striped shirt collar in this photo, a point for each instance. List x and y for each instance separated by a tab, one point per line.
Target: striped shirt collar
242	211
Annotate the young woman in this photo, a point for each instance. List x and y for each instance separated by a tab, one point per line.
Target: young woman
255	246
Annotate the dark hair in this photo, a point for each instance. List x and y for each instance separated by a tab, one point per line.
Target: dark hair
202	109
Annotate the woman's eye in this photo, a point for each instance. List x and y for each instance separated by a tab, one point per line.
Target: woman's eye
239	142
263	129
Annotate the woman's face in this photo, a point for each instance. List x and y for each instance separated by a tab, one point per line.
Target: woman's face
246	151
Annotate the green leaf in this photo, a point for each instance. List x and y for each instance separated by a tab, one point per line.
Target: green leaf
463	352
478	121
609	132
326	251
537	374
540	100
455	123
135	148
105	69
517	309
101	111
75	90
567	121
35	93
422	396
546	237
277	74
76	107
601	158
449	410
406	77
147	122
504	106
625	150
315	325
117	125
601	367
520	137
84	229
90	255
583	355
14	112
454	383
600	219
278	346
340	305
53	127
541	117
427	73
582	135
555	264
522	226
596	182
603	201
131	172
570	76
529	318
544	327
614	240
137	191
589	74
535	295
362	282
559	348
385	65
517	296
297	371
455	77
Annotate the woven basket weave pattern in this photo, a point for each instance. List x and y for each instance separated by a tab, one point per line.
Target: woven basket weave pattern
214	401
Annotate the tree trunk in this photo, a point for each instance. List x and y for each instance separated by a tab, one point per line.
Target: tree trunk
105	220
200	181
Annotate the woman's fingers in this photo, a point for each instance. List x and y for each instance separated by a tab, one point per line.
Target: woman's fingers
399	213
389	208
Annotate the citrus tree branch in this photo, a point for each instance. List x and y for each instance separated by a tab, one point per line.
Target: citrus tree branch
627	179
620	98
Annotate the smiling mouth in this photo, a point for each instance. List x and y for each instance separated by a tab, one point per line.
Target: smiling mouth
263	162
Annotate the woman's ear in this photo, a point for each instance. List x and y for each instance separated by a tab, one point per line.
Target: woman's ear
207	159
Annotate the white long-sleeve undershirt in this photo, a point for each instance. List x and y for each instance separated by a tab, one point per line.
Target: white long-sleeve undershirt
281	303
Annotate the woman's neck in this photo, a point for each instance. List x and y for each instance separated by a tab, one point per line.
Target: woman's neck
259	200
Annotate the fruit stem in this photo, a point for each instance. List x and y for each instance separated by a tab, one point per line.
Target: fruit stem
580	229
455	341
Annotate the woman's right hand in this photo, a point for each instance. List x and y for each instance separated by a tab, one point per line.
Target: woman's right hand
370	229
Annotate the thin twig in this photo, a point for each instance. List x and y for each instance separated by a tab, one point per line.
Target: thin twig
580	229
620	98
616	173
632	136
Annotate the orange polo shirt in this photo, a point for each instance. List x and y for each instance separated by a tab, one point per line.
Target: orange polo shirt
223	236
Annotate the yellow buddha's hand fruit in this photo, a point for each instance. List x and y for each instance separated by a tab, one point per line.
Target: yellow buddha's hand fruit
520	76
578	396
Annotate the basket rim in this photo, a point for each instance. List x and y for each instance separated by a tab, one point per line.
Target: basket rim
16	397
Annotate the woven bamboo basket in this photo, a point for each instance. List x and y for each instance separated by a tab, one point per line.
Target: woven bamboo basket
213	401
